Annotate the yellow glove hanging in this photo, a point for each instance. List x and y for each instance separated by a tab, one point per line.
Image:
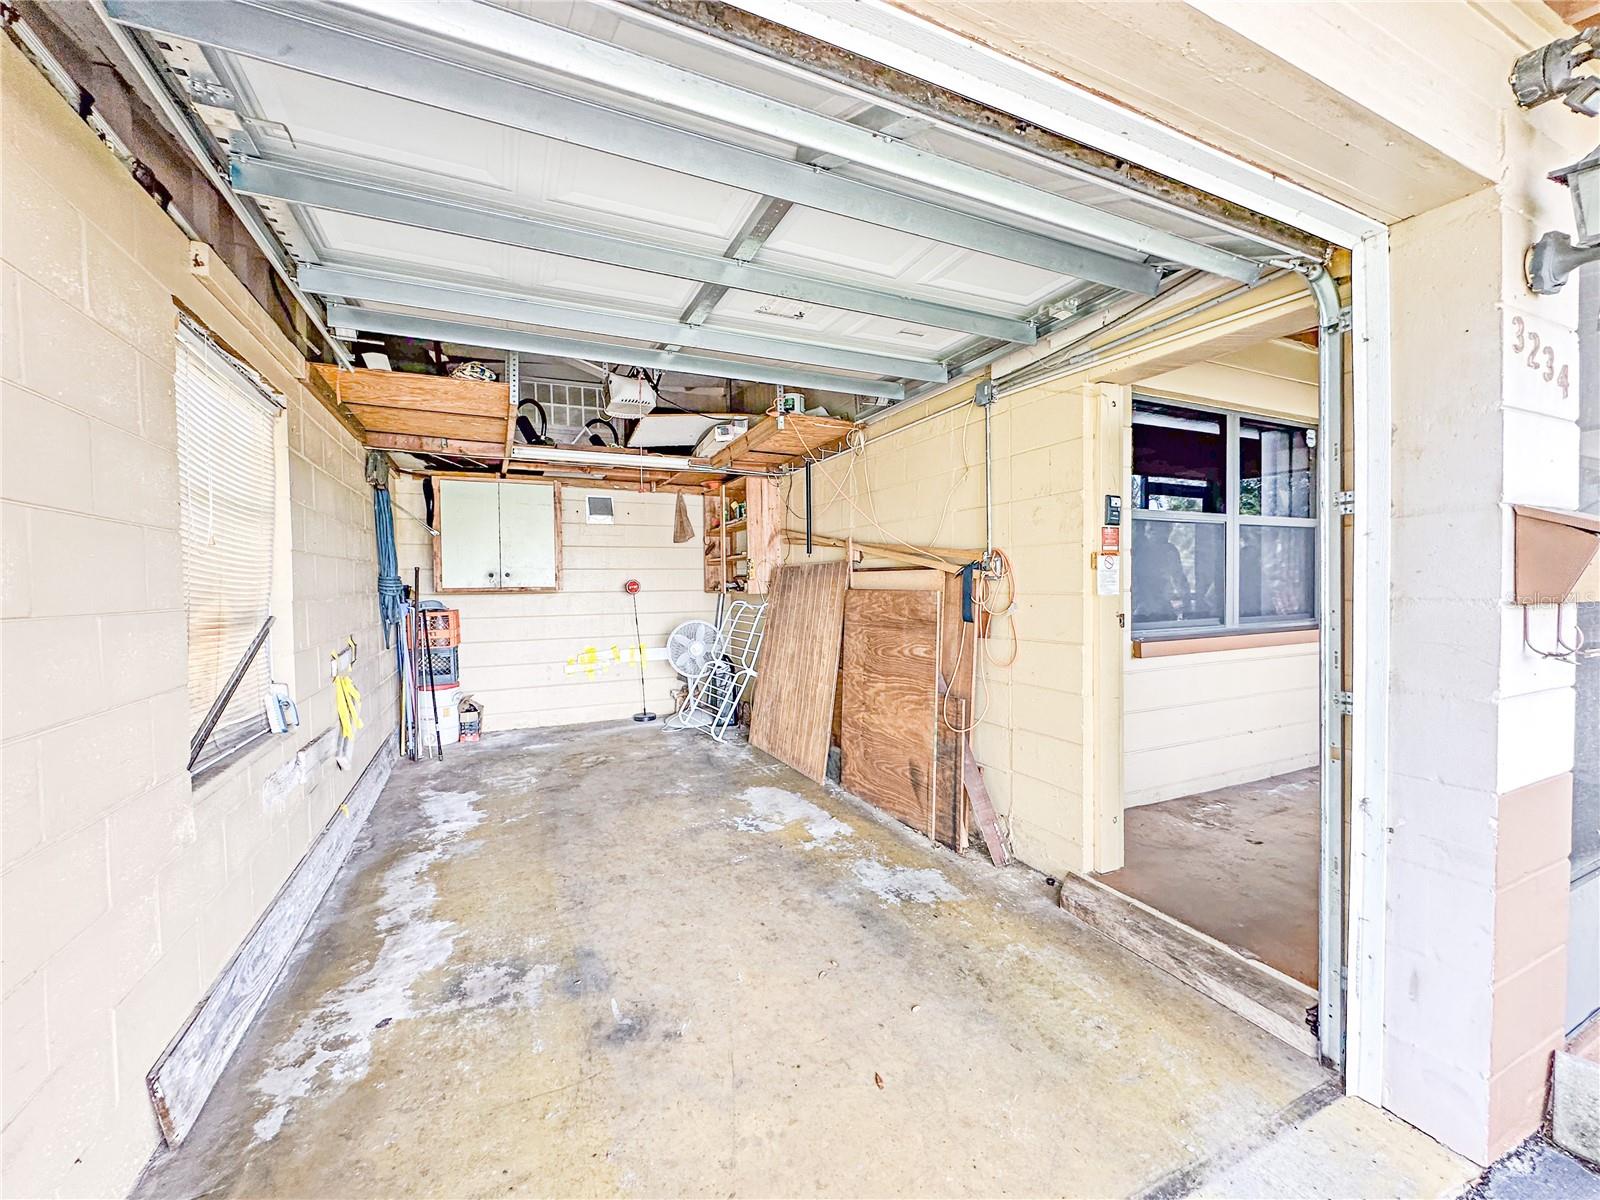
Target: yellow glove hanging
347	702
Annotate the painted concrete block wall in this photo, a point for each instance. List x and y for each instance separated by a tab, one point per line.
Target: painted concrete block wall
124	889
926	487
1192	722
1481	745
516	647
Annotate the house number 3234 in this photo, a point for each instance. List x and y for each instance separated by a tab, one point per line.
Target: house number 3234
1538	356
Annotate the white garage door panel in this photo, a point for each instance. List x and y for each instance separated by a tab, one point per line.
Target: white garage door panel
335	116
527	535
743	310
997	282
469	534
400	248
583	185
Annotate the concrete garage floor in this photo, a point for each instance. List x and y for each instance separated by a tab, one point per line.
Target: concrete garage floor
623	960
1238	863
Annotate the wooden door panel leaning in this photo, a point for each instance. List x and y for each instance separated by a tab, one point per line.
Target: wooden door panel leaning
799	666
889	741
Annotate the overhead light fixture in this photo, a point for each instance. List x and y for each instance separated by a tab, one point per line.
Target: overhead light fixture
608	458
621	458
1555	256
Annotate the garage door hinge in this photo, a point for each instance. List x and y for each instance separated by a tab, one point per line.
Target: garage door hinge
1343	323
1344	503
1344	703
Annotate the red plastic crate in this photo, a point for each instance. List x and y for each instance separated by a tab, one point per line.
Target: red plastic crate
441	627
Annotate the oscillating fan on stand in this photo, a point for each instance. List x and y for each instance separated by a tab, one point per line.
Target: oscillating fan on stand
692	653
691	647
720	665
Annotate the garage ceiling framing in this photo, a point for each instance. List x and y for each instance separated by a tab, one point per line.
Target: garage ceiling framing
335	192
375	286
597	186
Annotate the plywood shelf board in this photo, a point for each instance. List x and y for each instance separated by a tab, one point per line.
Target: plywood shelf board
413	391
421	444
768	443
387	404
430	424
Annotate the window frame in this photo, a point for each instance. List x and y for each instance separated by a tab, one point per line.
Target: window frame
231	742
1232	520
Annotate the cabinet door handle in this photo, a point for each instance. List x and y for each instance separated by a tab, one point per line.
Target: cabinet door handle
491	574
507	575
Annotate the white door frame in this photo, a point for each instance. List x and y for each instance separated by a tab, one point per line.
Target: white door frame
877	31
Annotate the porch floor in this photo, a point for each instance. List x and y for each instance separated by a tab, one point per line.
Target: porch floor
624	960
1238	863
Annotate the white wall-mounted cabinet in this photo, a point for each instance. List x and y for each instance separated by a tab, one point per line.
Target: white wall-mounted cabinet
497	536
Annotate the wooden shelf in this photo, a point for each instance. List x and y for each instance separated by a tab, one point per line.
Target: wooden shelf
730	556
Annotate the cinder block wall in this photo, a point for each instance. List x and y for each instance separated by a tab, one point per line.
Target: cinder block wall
515	648
1481	728
926	487
124	888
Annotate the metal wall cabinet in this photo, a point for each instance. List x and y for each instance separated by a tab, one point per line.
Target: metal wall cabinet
497	536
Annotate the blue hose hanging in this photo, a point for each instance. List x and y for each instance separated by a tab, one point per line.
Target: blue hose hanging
391	592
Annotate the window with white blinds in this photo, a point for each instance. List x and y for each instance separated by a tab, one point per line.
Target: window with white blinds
227	466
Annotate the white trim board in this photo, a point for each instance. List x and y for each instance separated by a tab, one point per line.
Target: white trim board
188	1069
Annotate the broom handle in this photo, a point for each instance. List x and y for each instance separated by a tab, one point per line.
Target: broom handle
427	654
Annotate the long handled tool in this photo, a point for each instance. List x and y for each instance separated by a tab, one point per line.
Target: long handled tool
644	713
427	656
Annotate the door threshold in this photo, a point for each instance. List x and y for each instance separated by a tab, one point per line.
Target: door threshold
1266	998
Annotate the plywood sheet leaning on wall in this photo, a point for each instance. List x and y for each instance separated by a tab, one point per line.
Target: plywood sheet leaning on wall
888	743
799	666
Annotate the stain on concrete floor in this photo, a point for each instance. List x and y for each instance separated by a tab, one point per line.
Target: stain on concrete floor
624	960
